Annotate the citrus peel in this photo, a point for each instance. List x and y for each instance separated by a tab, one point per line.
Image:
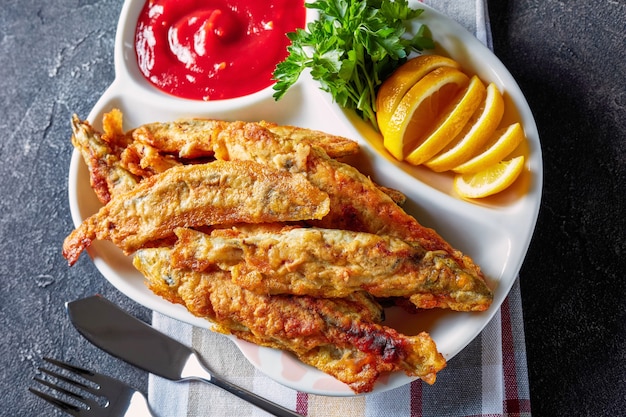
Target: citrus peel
451	121
395	87
503	142
481	126
419	107
489	181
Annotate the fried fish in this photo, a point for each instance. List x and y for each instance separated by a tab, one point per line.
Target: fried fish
296	246
340	336
117	169
219	192
357	203
194	138
331	263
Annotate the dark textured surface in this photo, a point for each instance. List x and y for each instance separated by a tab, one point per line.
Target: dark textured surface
569	59
57	58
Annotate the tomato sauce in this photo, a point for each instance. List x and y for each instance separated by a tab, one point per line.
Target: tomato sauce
214	49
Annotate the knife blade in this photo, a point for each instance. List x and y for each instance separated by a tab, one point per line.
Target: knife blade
120	334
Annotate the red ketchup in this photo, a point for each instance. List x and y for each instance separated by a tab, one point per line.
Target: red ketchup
214	49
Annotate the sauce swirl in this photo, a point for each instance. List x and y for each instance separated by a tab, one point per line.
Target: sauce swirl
214	49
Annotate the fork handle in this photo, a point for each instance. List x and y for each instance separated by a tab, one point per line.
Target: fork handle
194	369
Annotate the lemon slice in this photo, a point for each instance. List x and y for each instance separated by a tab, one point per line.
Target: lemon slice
417	111
450	122
395	87
476	132
491	180
503	142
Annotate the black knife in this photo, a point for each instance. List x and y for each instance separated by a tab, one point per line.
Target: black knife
125	337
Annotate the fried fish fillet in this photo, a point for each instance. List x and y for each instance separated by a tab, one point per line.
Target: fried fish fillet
339	336
115	169
193	138
357	203
219	192
332	263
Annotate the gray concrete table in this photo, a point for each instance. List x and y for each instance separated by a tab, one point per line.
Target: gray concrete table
569	59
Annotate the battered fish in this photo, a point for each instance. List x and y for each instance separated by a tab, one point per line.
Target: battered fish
193	138
219	192
117	171
357	203
339	336
332	263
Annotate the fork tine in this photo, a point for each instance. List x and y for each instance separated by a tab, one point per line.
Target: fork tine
60	377
86	373
59	388
72	370
106	396
62	405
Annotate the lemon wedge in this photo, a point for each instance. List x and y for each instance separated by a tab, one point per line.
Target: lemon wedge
395	87
432	113
503	142
489	181
418	110
476	132
449	123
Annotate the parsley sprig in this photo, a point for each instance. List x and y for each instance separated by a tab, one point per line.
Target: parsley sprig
351	49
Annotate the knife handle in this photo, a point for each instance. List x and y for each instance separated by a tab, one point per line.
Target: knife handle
194	369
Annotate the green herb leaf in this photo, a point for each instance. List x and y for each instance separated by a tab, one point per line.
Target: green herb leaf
351	49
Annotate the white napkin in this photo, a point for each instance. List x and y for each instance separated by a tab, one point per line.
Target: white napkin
488	378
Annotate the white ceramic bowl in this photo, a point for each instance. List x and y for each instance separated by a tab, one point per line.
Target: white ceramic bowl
495	232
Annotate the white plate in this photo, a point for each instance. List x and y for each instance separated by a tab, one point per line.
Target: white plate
495	232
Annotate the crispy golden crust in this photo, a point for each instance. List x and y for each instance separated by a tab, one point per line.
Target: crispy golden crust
333	263
357	203
339	336
195	138
198	195
113	130
101	153
117	161
145	161
335	146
